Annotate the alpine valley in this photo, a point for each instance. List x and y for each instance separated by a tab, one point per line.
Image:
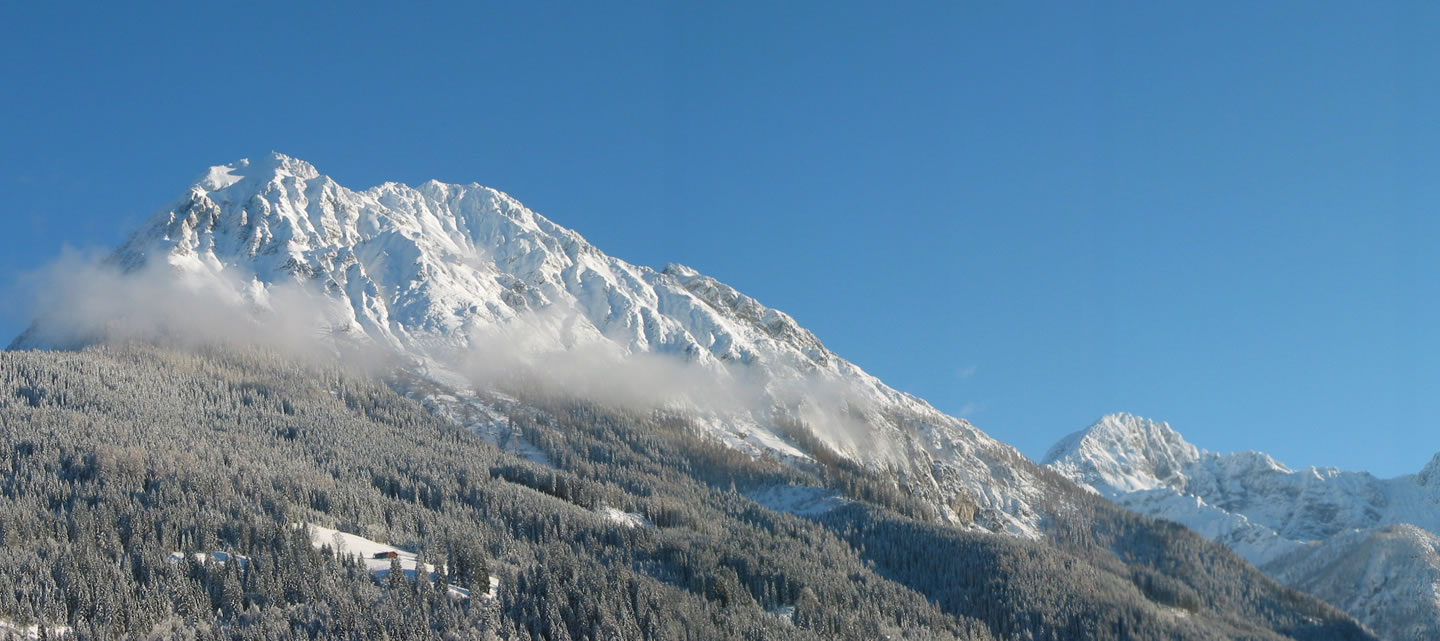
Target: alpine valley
525	438
1364	544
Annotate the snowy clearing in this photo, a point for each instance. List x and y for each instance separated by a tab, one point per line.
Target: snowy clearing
9	630
345	543
627	519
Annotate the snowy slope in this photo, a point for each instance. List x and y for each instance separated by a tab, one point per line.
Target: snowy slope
371	554
1363	543
30	632
469	285
1389	576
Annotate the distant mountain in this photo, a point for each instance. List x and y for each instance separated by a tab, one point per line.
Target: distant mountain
1365	544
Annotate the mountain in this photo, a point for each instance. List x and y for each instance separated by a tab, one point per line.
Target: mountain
1363	543
467	282
639	453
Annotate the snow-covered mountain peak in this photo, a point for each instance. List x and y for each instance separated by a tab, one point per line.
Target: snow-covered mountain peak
471	285
272	166
276	163
1124	453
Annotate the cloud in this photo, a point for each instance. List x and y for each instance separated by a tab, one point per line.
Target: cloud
557	350
80	299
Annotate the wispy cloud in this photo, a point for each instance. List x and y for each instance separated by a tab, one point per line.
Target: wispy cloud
79	299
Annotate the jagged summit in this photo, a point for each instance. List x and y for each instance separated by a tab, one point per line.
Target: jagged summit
1128	452
269	167
451	276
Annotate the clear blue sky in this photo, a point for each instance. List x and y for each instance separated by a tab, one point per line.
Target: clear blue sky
1030	214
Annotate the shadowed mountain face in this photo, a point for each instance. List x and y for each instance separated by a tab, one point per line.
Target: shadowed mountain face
1362	543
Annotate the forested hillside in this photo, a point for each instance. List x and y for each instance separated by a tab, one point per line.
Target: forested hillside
113	458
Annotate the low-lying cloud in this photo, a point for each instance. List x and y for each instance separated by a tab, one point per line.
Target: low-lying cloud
80	299
558	351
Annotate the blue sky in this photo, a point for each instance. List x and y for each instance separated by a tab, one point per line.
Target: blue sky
1029	214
